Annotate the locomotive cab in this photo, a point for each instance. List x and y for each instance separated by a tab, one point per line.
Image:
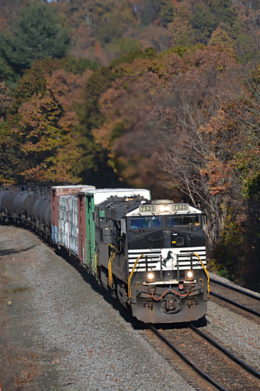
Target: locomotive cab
167	258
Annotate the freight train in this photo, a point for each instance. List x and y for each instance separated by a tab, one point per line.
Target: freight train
150	254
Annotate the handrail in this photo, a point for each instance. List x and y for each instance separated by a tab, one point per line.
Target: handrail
131	276
205	271
109	265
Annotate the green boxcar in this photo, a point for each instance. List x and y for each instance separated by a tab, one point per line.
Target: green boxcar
90	255
90	200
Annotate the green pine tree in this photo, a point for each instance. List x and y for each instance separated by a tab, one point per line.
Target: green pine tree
37	34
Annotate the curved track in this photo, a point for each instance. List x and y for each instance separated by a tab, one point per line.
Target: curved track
201	373
247	301
218	367
234	358
236	289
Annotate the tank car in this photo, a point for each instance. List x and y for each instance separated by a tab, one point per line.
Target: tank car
41	215
7	209
19	206
27	208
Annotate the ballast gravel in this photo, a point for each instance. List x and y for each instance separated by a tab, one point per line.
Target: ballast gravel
240	335
237	333
60	333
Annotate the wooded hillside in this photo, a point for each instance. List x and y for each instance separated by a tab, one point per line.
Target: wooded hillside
161	94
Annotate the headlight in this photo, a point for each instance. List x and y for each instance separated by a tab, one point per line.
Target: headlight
164	208
150	276
189	275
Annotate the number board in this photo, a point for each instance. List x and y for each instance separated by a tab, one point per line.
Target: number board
155	208
147	208
177	207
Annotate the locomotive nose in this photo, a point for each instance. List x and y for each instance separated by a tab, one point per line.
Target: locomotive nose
173	239
166	238
171	304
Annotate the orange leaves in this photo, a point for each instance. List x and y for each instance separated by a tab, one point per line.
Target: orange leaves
217	174
220	38
67	89
38	112
215	124
174	95
46	125
38	121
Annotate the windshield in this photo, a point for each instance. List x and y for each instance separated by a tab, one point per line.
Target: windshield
145	222
172	221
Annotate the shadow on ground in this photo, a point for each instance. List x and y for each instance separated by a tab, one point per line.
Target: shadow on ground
10	251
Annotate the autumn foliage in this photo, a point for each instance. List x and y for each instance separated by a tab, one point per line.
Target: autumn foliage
158	94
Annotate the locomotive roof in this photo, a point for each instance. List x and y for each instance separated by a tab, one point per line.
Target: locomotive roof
117	207
74	187
170	208
100	195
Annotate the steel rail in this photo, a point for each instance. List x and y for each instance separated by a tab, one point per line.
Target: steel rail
235	303
237	360
234	288
189	362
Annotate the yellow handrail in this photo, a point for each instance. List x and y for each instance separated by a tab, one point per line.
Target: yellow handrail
205	271
109	265
131	276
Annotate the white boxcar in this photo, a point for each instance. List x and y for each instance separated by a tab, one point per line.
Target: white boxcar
56	193
68	223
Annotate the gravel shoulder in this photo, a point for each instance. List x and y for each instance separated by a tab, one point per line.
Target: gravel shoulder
59	333
228	282
239	334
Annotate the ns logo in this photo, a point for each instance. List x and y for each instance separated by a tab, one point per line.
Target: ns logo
168	259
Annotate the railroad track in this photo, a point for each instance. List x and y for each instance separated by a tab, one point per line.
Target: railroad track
247	301
211	361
